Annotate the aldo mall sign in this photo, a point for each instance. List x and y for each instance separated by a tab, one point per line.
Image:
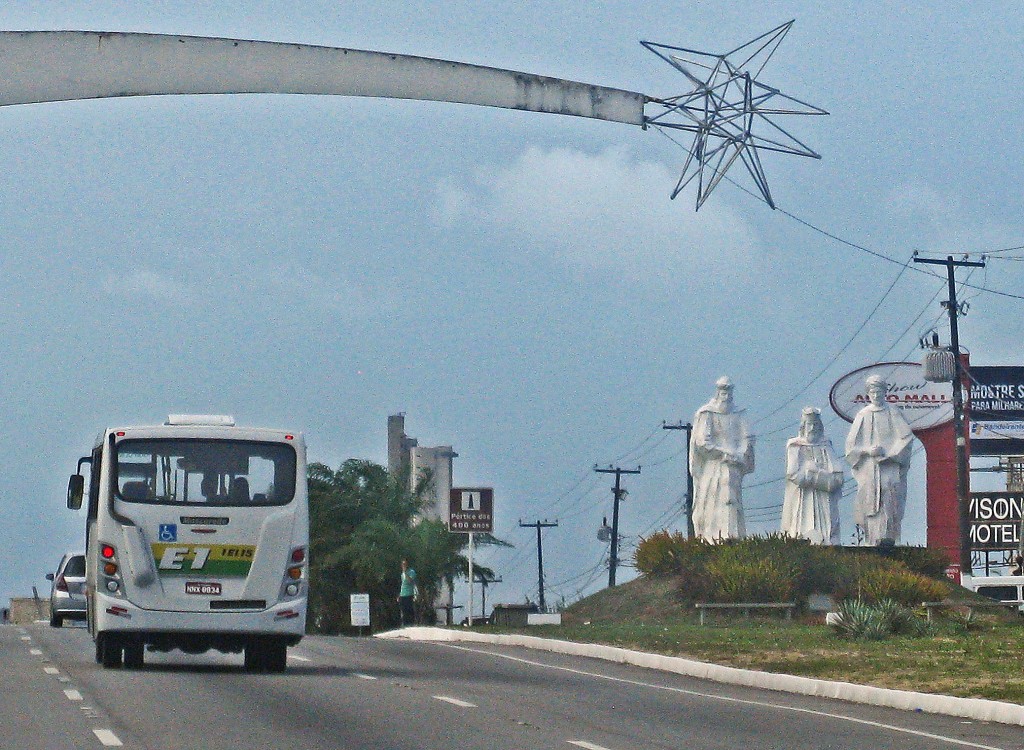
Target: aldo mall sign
924	405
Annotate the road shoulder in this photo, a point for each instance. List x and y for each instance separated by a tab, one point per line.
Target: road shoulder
968	708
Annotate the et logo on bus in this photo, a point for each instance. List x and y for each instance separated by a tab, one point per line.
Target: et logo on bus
208	560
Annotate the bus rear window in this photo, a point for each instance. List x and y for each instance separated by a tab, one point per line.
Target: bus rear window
199	471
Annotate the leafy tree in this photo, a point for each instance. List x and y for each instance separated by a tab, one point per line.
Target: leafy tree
363	522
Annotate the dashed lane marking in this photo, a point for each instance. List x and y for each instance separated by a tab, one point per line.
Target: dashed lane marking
586	745
364	676
455	701
298	658
108	738
36	651
73	695
51	670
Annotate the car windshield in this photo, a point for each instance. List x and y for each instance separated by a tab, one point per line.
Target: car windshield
198	471
75	567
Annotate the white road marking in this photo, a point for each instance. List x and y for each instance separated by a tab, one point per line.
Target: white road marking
108	738
364	676
26	638
455	701
73	695
298	658
585	744
51	670
36	651
742	701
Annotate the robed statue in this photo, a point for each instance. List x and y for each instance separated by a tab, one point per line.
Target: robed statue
878	448
721	453
814	482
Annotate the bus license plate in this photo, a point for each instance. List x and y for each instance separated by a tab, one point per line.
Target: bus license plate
202	588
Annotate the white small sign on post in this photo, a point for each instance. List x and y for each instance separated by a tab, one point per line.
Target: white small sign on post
360	605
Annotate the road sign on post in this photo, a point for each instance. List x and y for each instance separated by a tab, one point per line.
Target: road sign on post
360	605
471	509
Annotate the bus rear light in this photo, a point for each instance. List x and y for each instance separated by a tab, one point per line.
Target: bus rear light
110	569
295	573
286	614
107	551
112	587
291	589
119	611
298	554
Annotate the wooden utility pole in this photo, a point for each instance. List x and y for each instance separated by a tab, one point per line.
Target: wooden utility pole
963	487
689	476
545	524
613	562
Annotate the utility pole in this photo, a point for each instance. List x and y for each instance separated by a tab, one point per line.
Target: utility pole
689	477
545	524
484	583
959	434
613	562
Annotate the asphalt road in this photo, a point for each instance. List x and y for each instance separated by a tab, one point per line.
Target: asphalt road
398	695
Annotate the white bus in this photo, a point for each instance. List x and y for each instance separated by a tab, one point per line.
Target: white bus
197	537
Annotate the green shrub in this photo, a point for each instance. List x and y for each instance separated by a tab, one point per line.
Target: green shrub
661	553
875	622
775	568
927	562
741	578
665	553
898	583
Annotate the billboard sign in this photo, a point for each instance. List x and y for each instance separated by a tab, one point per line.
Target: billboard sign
997	411
995	520
471	509
997	394
923	404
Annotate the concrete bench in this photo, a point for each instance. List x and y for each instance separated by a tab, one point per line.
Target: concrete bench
970	606
746	607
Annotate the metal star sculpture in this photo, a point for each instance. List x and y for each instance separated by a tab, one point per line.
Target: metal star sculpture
723	109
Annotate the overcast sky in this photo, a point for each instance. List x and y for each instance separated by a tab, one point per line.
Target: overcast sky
519	284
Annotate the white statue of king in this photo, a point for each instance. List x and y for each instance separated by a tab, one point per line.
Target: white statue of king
721	453
814	482
878	448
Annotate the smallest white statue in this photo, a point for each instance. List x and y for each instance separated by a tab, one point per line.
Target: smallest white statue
878	448
814	482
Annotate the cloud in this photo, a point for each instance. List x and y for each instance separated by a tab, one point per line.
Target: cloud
597	212
148	285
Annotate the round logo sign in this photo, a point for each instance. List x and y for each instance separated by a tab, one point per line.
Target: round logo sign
923	404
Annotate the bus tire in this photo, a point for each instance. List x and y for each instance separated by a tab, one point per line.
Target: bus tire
109	651
275	656
134	655
254	656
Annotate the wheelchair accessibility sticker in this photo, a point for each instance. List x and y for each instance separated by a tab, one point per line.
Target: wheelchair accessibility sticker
168	532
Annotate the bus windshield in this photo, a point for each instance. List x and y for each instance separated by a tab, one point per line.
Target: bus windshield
196	471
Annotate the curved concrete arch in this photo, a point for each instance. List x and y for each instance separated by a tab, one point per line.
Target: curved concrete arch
50	66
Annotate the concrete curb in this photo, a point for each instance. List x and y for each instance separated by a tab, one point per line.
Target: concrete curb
968	708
